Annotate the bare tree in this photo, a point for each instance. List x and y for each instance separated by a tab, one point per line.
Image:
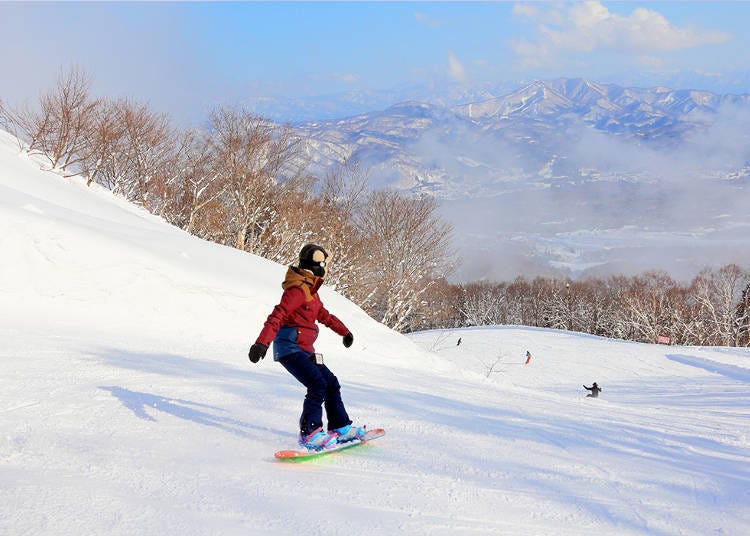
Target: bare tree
131	150
251	155
651	303
56	129
718	293
742	316
409	248
13	121
296	217
439	307
65	115
195	187
343	190
25	124
151	143
483	304
345	185
103	142
558	303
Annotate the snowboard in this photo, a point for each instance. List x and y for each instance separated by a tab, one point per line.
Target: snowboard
305	454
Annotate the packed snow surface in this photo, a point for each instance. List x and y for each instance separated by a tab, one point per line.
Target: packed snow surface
128	405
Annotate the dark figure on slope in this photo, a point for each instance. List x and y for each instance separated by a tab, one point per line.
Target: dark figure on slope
595	390
292	328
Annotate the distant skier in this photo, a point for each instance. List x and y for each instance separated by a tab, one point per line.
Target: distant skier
528	357
459	342
291	326
595	390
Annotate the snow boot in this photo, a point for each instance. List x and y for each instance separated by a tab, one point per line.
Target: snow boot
317	439
349	433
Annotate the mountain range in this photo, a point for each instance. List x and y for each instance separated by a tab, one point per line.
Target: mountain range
520	171
524	134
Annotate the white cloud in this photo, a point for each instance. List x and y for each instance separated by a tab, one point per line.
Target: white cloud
587	27
456	70
526	10
427	20
552	15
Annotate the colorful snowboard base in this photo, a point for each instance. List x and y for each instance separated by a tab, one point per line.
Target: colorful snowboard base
304	454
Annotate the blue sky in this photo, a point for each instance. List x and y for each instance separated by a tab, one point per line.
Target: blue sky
185	58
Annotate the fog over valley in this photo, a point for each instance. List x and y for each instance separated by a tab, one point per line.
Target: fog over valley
568	177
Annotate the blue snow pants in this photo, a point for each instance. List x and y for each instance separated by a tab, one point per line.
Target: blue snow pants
322	388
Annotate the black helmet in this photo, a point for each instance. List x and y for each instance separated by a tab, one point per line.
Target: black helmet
307	262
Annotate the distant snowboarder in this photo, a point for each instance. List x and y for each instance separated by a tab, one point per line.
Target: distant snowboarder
292	328
595	390
528	357
459	342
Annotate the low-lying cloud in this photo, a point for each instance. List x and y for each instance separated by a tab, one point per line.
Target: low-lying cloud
600	202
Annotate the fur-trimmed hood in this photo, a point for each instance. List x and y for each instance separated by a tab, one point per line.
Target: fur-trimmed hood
297	277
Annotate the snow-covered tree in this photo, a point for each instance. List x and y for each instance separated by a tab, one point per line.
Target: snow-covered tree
483	304
343	189
251	156
131	150
56	128
719	294
742	316
408	247
650	305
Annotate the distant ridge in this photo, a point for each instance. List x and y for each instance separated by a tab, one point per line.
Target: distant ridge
412	143
566	176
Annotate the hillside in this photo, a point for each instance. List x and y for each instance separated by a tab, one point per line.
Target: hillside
128	405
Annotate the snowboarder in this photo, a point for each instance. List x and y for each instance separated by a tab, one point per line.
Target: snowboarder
595	389
459	342
292	329
528	357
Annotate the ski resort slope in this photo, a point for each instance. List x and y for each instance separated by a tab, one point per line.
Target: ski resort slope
128	405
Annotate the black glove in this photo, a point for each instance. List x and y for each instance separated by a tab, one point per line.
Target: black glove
348	339
257	352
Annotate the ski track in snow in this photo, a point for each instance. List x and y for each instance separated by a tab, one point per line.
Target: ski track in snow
128	405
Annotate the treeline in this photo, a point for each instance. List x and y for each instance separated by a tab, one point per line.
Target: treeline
712	309
243	181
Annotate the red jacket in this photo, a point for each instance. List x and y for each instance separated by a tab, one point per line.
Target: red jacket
291	325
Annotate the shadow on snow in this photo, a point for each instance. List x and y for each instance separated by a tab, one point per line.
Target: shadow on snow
143	404
730	371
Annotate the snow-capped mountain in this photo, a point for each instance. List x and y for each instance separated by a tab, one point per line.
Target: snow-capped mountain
538	122
355	102
592	101
562	156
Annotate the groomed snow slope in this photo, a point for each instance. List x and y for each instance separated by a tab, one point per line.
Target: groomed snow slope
128	405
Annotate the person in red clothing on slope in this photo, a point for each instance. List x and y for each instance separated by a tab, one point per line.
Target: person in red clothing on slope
292	328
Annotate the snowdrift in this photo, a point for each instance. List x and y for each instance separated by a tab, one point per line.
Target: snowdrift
128	405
